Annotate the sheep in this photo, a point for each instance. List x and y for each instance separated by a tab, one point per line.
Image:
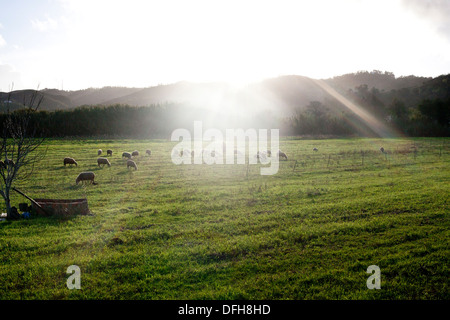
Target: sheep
126	155
382	149
135	153
261	155
149	152
109	152
86	176
70	161
132	164
99	152
315	149
281	154
103	161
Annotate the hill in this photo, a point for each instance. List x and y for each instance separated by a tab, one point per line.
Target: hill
283	94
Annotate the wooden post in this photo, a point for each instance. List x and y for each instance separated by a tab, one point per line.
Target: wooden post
34	202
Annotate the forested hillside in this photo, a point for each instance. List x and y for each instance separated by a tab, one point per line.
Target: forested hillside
414	106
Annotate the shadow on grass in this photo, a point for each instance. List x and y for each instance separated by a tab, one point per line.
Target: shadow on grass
64	168
128	171
37	220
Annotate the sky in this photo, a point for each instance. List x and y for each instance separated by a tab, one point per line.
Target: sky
79	44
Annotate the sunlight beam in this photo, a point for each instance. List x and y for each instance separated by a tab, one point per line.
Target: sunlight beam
376	125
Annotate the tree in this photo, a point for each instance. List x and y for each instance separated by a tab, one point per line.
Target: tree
18	147
399	114
436	110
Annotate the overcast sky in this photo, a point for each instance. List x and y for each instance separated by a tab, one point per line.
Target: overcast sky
77	44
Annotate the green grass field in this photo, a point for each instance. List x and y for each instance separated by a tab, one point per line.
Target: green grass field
226	232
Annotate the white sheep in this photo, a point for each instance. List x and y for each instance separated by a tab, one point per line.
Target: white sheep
99	152
103	161
131	164
261	155
85	176
70	161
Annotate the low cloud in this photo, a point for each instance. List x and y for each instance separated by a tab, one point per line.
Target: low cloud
436	12
44	25
9	78
2	41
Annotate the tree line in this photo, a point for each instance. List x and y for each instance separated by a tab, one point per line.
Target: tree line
430	118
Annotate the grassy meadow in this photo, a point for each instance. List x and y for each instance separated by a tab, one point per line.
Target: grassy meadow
171	231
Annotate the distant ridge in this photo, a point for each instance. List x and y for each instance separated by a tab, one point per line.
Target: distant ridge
282	94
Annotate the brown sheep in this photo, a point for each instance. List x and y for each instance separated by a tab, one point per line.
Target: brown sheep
126	155
131	164
281	154
135	153
70	161
149	152
103	161
109	152
86	176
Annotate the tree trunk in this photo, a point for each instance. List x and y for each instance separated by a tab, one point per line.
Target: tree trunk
10	212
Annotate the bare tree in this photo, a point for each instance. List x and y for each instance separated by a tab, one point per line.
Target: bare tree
20	140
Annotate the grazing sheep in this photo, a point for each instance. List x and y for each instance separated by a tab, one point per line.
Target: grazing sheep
315	149
281	154
126	155
261	155
99	152
132	164
103	161
382	149
149	152
135	153
86	176
109	152
70	161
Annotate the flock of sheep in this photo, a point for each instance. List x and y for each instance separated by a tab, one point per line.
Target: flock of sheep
212	153
101	162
